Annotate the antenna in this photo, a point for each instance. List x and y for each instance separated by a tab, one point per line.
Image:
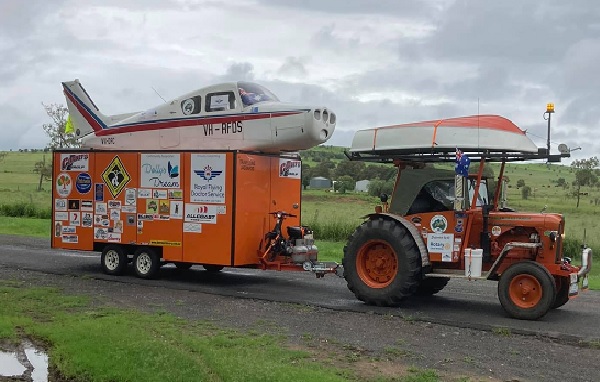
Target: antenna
158	94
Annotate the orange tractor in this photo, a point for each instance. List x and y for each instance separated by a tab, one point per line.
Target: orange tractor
443	224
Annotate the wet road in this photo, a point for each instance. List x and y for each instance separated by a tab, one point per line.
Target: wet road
462	303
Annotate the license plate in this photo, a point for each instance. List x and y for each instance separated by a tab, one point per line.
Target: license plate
573	278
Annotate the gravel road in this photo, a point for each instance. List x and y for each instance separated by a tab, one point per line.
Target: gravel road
462	332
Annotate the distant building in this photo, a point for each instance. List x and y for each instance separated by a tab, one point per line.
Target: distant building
319	182
362	186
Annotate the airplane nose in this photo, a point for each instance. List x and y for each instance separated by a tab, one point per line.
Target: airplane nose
323	123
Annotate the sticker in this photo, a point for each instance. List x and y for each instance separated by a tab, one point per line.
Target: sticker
290	168
100	233
164	207
140	223
86	219
71	239
160	171
144	193
200	213
460	215
69	229
440	242
130	196
192	227
164	217
221	210
63	184
115	214
74	162
446	256
128	209
61	216
83	183
140	229
207	178
113	237
87	205
73	205
74	218
99	192
151	206
114	204
130	220
160	194
456	247
496	230
176	194
166	243
58	229
115	176
219	101
141	217
105	223
118	228
439	224
60	204
176	209
458	228
101	208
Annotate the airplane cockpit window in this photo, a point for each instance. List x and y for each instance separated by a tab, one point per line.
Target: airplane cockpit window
252	93
220	101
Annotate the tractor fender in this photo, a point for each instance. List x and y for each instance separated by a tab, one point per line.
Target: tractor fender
416	235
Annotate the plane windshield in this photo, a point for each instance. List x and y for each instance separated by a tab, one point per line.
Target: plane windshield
252	93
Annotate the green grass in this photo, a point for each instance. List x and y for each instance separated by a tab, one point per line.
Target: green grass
107	344
25	226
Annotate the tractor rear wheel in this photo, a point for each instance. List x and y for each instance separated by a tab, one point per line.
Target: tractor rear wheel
431	285
526	290
382	263
562	291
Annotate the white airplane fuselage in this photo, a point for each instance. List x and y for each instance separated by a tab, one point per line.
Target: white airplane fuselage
198	121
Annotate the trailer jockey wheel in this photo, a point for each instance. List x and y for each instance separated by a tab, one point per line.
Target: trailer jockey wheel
213	268
113	260
382	263
146	262
526	290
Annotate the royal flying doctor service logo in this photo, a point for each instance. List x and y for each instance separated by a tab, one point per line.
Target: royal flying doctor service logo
207	173
439	224
115	176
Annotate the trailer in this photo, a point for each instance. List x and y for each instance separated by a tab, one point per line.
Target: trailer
218	208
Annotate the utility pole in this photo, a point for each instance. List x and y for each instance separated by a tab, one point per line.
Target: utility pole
549	111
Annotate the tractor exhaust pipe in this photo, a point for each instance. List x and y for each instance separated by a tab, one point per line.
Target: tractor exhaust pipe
586	262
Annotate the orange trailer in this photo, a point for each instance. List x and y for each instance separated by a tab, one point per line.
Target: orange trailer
184	207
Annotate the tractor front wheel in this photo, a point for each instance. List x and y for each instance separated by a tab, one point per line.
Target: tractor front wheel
382	263
562	291
526	290
431	285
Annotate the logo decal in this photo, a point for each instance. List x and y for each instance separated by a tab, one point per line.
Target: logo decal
290	168
115	176
74	162
439	224
63	184
208	173
83	183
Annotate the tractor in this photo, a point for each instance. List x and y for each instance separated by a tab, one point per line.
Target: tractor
444	223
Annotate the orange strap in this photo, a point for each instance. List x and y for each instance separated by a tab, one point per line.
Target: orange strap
435	132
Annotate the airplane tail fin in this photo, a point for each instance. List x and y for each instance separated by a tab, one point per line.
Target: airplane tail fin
83	111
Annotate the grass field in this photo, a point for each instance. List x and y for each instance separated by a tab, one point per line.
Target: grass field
88	343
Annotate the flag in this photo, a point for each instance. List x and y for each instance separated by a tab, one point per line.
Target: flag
69	128
462	163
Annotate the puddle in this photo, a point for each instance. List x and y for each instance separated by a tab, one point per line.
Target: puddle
26	362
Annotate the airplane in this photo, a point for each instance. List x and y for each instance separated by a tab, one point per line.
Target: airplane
232	116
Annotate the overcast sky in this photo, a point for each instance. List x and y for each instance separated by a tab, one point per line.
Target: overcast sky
373	62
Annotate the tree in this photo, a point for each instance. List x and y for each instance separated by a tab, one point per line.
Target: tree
525	192
378	187
584	173
344	183
56	129
45	171
520	183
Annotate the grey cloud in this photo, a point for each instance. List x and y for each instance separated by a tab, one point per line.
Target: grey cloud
293	66
239	71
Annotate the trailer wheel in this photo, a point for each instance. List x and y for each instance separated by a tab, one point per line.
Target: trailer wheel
562	291
526	290
431	285
183	266
381	263
213	268
113	260
146	262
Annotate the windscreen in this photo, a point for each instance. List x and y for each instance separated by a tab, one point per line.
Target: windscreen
252	93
